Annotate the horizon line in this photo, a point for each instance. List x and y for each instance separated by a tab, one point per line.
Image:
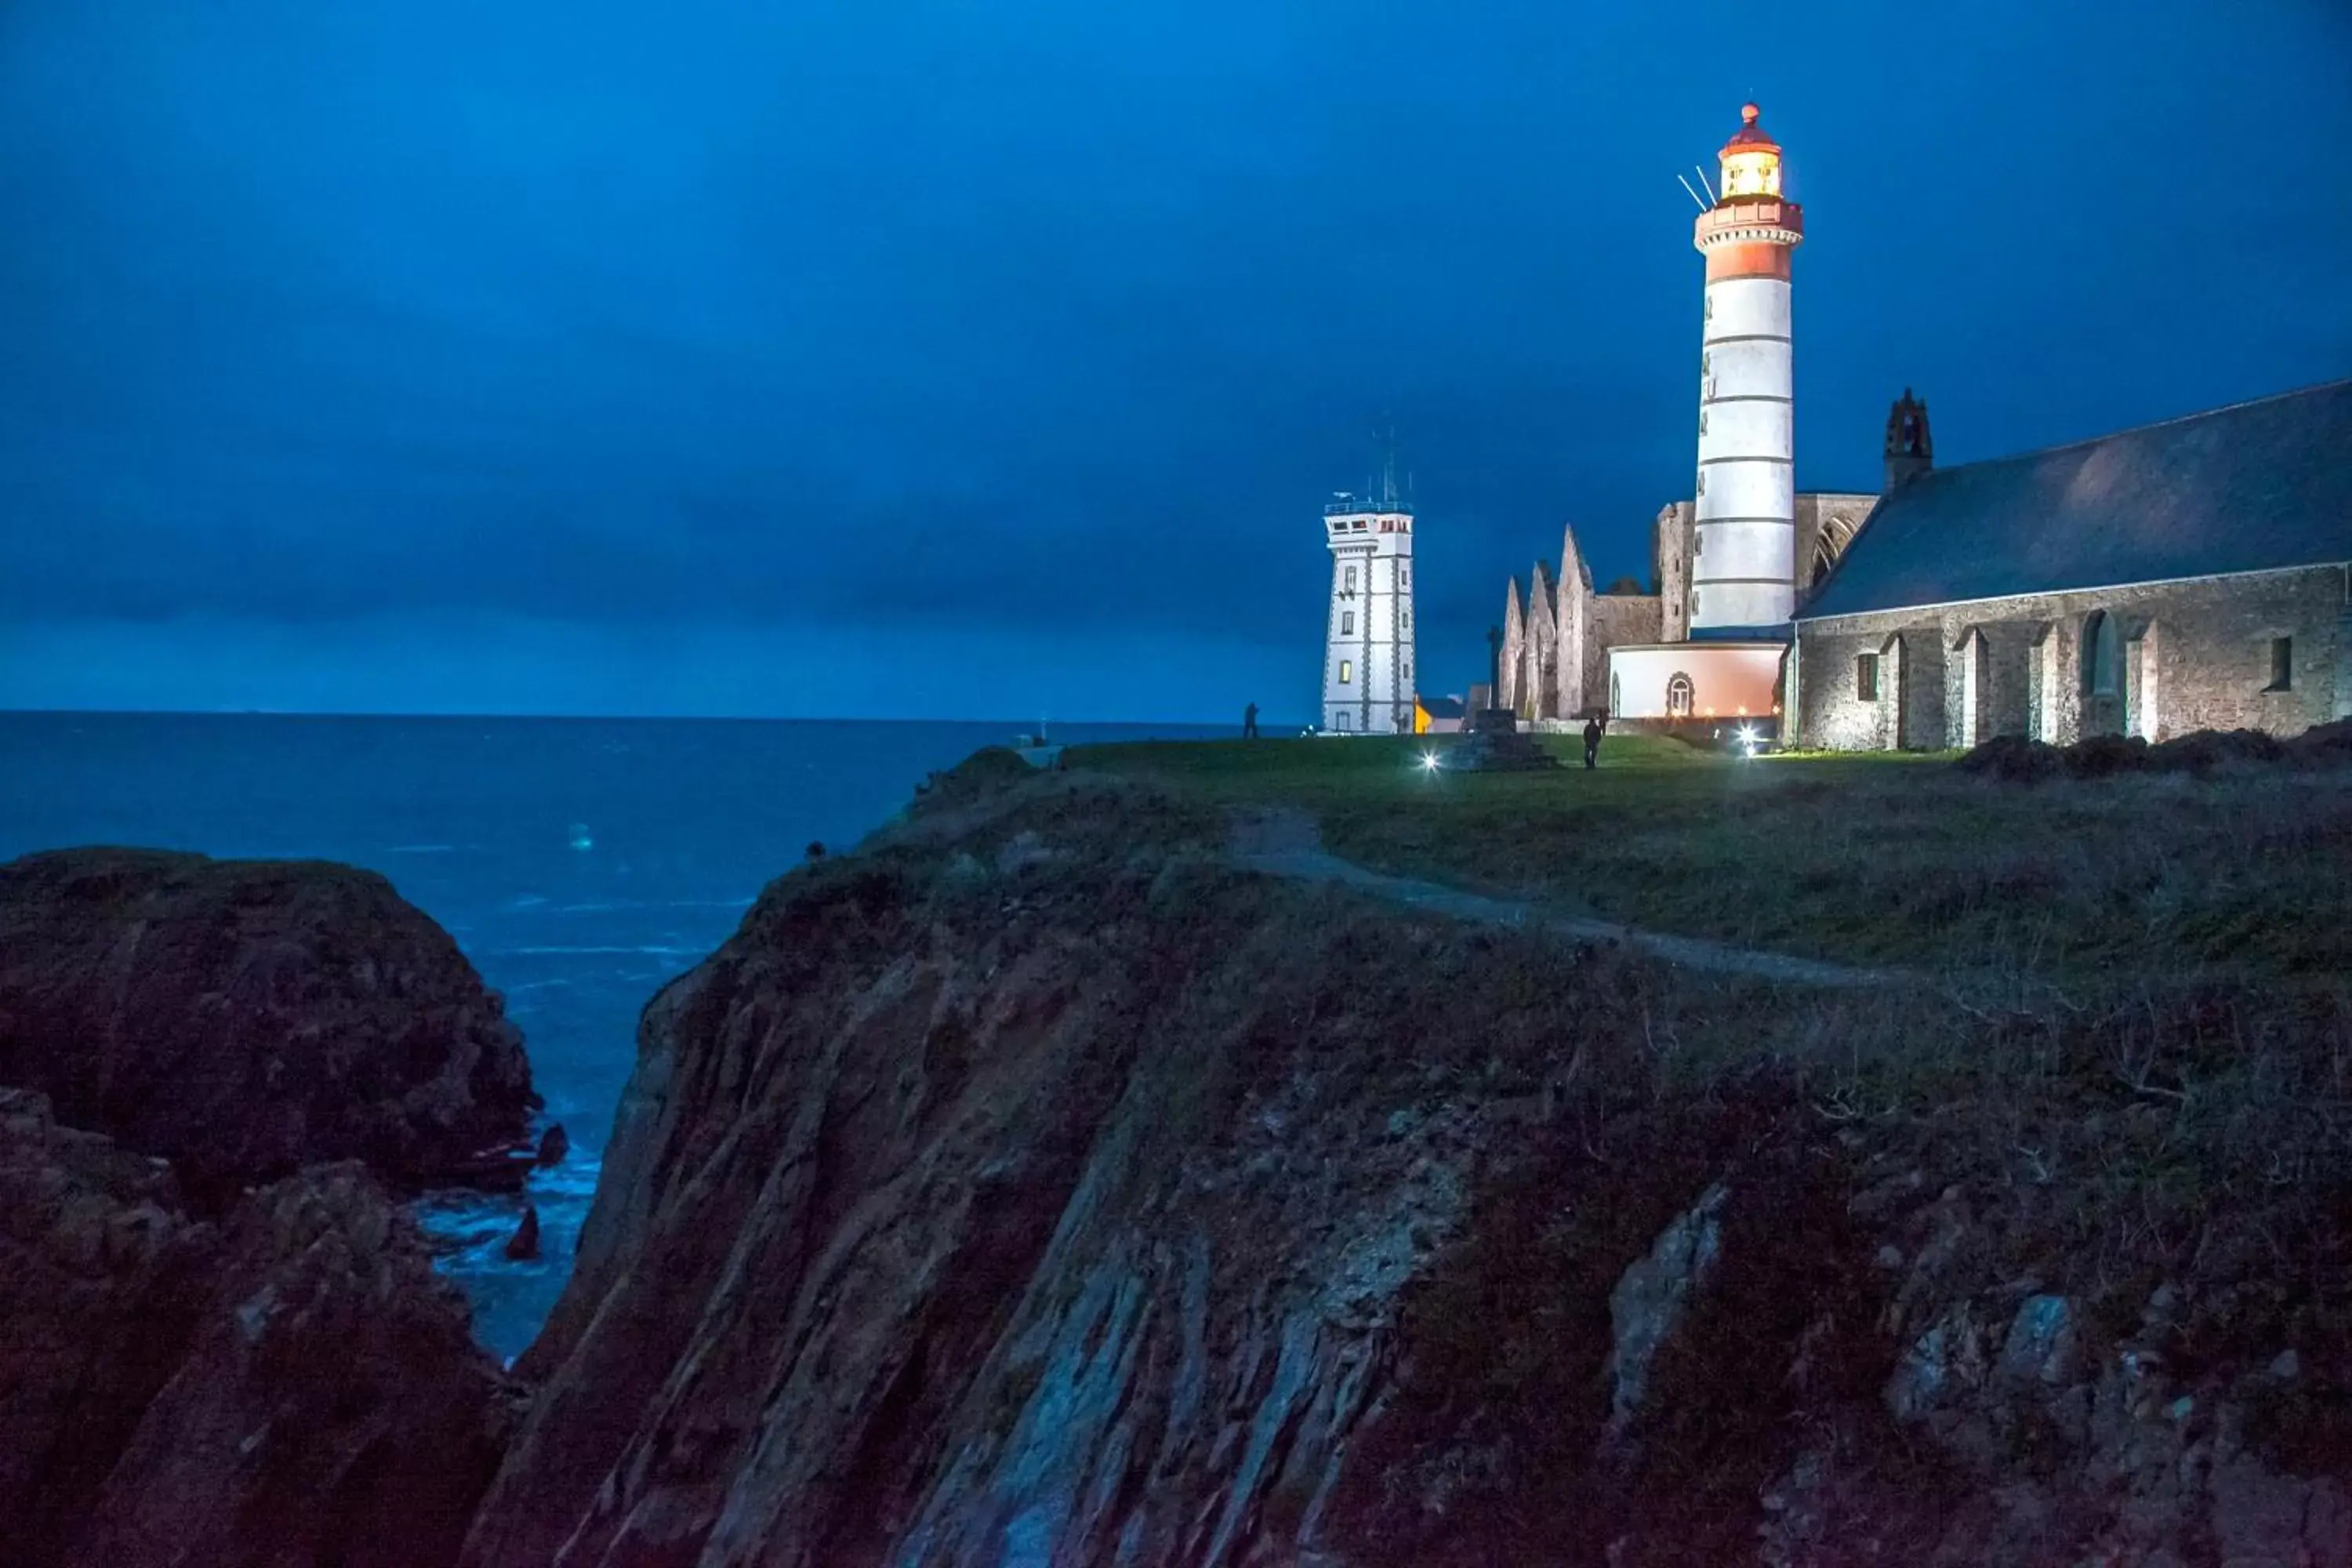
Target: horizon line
11	711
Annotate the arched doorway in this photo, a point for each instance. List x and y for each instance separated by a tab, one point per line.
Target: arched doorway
1680	696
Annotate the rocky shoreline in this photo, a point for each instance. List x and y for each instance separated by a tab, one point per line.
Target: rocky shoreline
1033	1185
222	1339
243	1018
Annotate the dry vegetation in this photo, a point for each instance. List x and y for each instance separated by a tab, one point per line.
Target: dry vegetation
2134	1006
2127	1035
2239	875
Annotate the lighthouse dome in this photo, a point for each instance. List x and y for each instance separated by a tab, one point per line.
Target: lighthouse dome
1750	160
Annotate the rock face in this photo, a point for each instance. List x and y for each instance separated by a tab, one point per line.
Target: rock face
1029	1188
244	1018
289	1385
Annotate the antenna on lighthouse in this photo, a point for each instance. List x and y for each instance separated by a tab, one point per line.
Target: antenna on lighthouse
1711	197
1386	440
1683	181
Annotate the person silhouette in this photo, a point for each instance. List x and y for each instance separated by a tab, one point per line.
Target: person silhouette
1249	722
1592	731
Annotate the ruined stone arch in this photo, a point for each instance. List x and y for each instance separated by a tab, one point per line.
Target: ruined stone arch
1836	531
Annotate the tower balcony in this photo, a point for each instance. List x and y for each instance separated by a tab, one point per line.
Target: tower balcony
1765	220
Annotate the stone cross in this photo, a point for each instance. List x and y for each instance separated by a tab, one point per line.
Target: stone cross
1493	666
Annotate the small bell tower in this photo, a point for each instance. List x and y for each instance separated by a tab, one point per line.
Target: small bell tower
1910	450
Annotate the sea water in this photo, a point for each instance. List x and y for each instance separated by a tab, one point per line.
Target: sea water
579	864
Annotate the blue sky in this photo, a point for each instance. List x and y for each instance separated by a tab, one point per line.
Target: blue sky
968	359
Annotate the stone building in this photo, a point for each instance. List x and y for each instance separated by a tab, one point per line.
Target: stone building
2186	575
1557	632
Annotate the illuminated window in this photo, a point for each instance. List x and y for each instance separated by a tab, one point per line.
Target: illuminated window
1347	622
1865	677
2281	664
1346	671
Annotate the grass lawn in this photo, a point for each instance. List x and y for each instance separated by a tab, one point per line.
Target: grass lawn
2244	875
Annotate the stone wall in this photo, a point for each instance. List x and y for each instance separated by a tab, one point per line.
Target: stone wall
2193	654
1616	620
1670	547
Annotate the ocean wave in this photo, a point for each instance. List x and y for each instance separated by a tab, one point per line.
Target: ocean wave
557	950
627	905
421	849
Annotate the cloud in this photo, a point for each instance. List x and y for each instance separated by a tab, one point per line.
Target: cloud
881	317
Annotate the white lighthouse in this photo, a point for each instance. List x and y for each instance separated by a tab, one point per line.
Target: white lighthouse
1744	568
1367	685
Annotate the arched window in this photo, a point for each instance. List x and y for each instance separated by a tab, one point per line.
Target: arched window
1680	695
2103	662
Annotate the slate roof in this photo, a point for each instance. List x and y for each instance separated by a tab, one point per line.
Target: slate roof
2248	488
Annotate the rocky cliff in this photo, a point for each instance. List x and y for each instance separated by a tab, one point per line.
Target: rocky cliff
244	1018
288	1386
1031	1187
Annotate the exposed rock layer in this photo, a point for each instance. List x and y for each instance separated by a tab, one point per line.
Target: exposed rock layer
244	1018
288	1386
1028	1188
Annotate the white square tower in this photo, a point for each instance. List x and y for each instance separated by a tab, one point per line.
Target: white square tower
1367	683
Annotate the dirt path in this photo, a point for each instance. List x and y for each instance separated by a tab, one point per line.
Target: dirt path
1287	843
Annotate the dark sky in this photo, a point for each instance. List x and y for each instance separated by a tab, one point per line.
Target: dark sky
988	360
